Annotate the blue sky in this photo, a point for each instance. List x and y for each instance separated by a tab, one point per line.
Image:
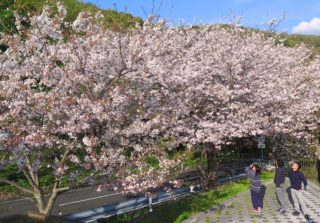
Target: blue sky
302	16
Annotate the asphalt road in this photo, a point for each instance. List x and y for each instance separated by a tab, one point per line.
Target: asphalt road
82	199
69	202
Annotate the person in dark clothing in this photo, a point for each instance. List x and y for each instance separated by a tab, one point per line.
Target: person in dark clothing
297	192
279	179
254	172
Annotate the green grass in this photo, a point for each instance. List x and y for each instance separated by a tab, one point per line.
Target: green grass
311	173
310	40
183	209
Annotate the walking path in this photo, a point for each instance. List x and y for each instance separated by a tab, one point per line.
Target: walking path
237	209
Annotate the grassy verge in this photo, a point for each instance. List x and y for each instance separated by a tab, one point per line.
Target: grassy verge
311	173
183	209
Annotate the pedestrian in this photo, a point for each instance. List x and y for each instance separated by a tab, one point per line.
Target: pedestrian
279	179
254	172
297	192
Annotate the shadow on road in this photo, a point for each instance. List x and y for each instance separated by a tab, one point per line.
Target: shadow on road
263	192
289	196
25	219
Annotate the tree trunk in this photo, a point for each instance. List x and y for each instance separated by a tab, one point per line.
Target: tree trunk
211	154
203	177
38	195
274	152
44	207
208	174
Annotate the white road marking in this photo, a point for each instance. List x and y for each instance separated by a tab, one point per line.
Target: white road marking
47	195
93	198
22	199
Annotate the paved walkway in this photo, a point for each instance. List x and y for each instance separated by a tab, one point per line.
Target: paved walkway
237	209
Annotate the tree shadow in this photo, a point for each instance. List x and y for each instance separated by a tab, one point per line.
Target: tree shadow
263	192
21	218
289	195
318	169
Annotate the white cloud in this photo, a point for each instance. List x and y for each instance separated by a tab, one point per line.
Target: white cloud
309	28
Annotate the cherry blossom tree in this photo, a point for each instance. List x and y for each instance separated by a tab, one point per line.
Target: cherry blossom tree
63	100
78	96
212	84
69	104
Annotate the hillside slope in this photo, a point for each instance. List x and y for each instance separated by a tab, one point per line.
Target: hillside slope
113	19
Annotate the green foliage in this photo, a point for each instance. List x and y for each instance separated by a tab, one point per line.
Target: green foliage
309	169
152	161
126	217
112	19
266	176
193	157
59	63
239	148
309	40
10	120
293	40
6	16
190	162
12	173
46	180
